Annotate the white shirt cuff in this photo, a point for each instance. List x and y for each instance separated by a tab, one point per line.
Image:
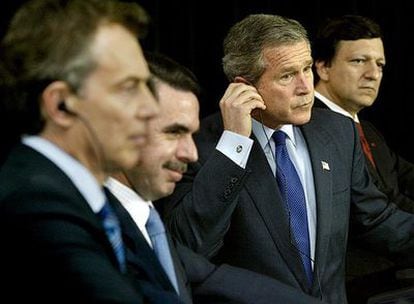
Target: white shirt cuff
236	147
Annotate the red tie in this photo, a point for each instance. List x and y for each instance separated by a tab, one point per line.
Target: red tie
365	145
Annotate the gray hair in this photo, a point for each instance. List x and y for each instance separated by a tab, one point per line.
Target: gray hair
246	40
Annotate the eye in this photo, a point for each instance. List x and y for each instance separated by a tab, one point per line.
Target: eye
176	131
381	65
308	69
287	77
129	87
358	61
173	134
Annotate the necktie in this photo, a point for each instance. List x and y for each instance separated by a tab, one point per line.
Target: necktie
294	198
365	145
113	231
156	232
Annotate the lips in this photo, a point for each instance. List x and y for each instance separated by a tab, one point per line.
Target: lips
369	88
176	176
304	105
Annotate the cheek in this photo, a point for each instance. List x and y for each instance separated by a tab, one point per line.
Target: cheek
154	156
106	127
277	102
121	125
273	94
345	80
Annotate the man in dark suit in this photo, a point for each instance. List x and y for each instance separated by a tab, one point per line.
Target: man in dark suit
165	159
229	206
349	60
76	87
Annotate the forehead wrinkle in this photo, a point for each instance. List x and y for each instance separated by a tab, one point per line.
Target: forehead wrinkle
287	58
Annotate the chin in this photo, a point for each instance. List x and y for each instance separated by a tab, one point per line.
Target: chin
301	119
168	189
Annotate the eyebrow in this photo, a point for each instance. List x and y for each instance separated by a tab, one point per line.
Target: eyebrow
295	68
176	127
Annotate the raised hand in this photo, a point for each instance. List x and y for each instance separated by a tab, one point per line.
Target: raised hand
236	106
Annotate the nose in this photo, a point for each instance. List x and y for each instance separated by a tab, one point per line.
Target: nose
305	83
373	71
187	150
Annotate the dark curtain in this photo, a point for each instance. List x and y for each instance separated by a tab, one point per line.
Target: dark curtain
192	32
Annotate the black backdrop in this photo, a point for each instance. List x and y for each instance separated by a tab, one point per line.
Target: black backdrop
192	31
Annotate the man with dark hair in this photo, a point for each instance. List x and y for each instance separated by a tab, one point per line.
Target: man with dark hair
349	63
76	87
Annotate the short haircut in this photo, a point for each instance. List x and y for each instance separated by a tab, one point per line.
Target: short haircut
347	27
50	40
246	40
172	73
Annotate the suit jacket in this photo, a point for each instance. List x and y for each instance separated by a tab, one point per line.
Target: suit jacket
237	216
55	249
144	266
209	284
393	175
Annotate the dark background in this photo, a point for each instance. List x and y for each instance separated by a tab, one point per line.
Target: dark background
192	33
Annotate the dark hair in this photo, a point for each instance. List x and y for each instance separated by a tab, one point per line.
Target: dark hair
172	73
50	40
348	27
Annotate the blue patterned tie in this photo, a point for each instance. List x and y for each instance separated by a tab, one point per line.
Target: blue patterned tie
156	232
113	232
294	197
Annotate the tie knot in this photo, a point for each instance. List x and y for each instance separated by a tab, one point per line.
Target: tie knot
154	224
107	215
359	128
279	137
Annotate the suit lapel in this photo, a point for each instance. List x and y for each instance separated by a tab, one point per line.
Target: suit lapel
180	272
139	252
272	209
32	160
274	214
320	152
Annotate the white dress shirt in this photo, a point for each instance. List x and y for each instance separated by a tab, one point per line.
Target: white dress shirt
137	208
334	107
229	145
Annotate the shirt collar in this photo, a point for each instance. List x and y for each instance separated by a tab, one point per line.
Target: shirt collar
81	177
137	207
264	133
334	107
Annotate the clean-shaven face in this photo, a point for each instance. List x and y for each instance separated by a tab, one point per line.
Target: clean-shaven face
355	74
115	99
286	86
